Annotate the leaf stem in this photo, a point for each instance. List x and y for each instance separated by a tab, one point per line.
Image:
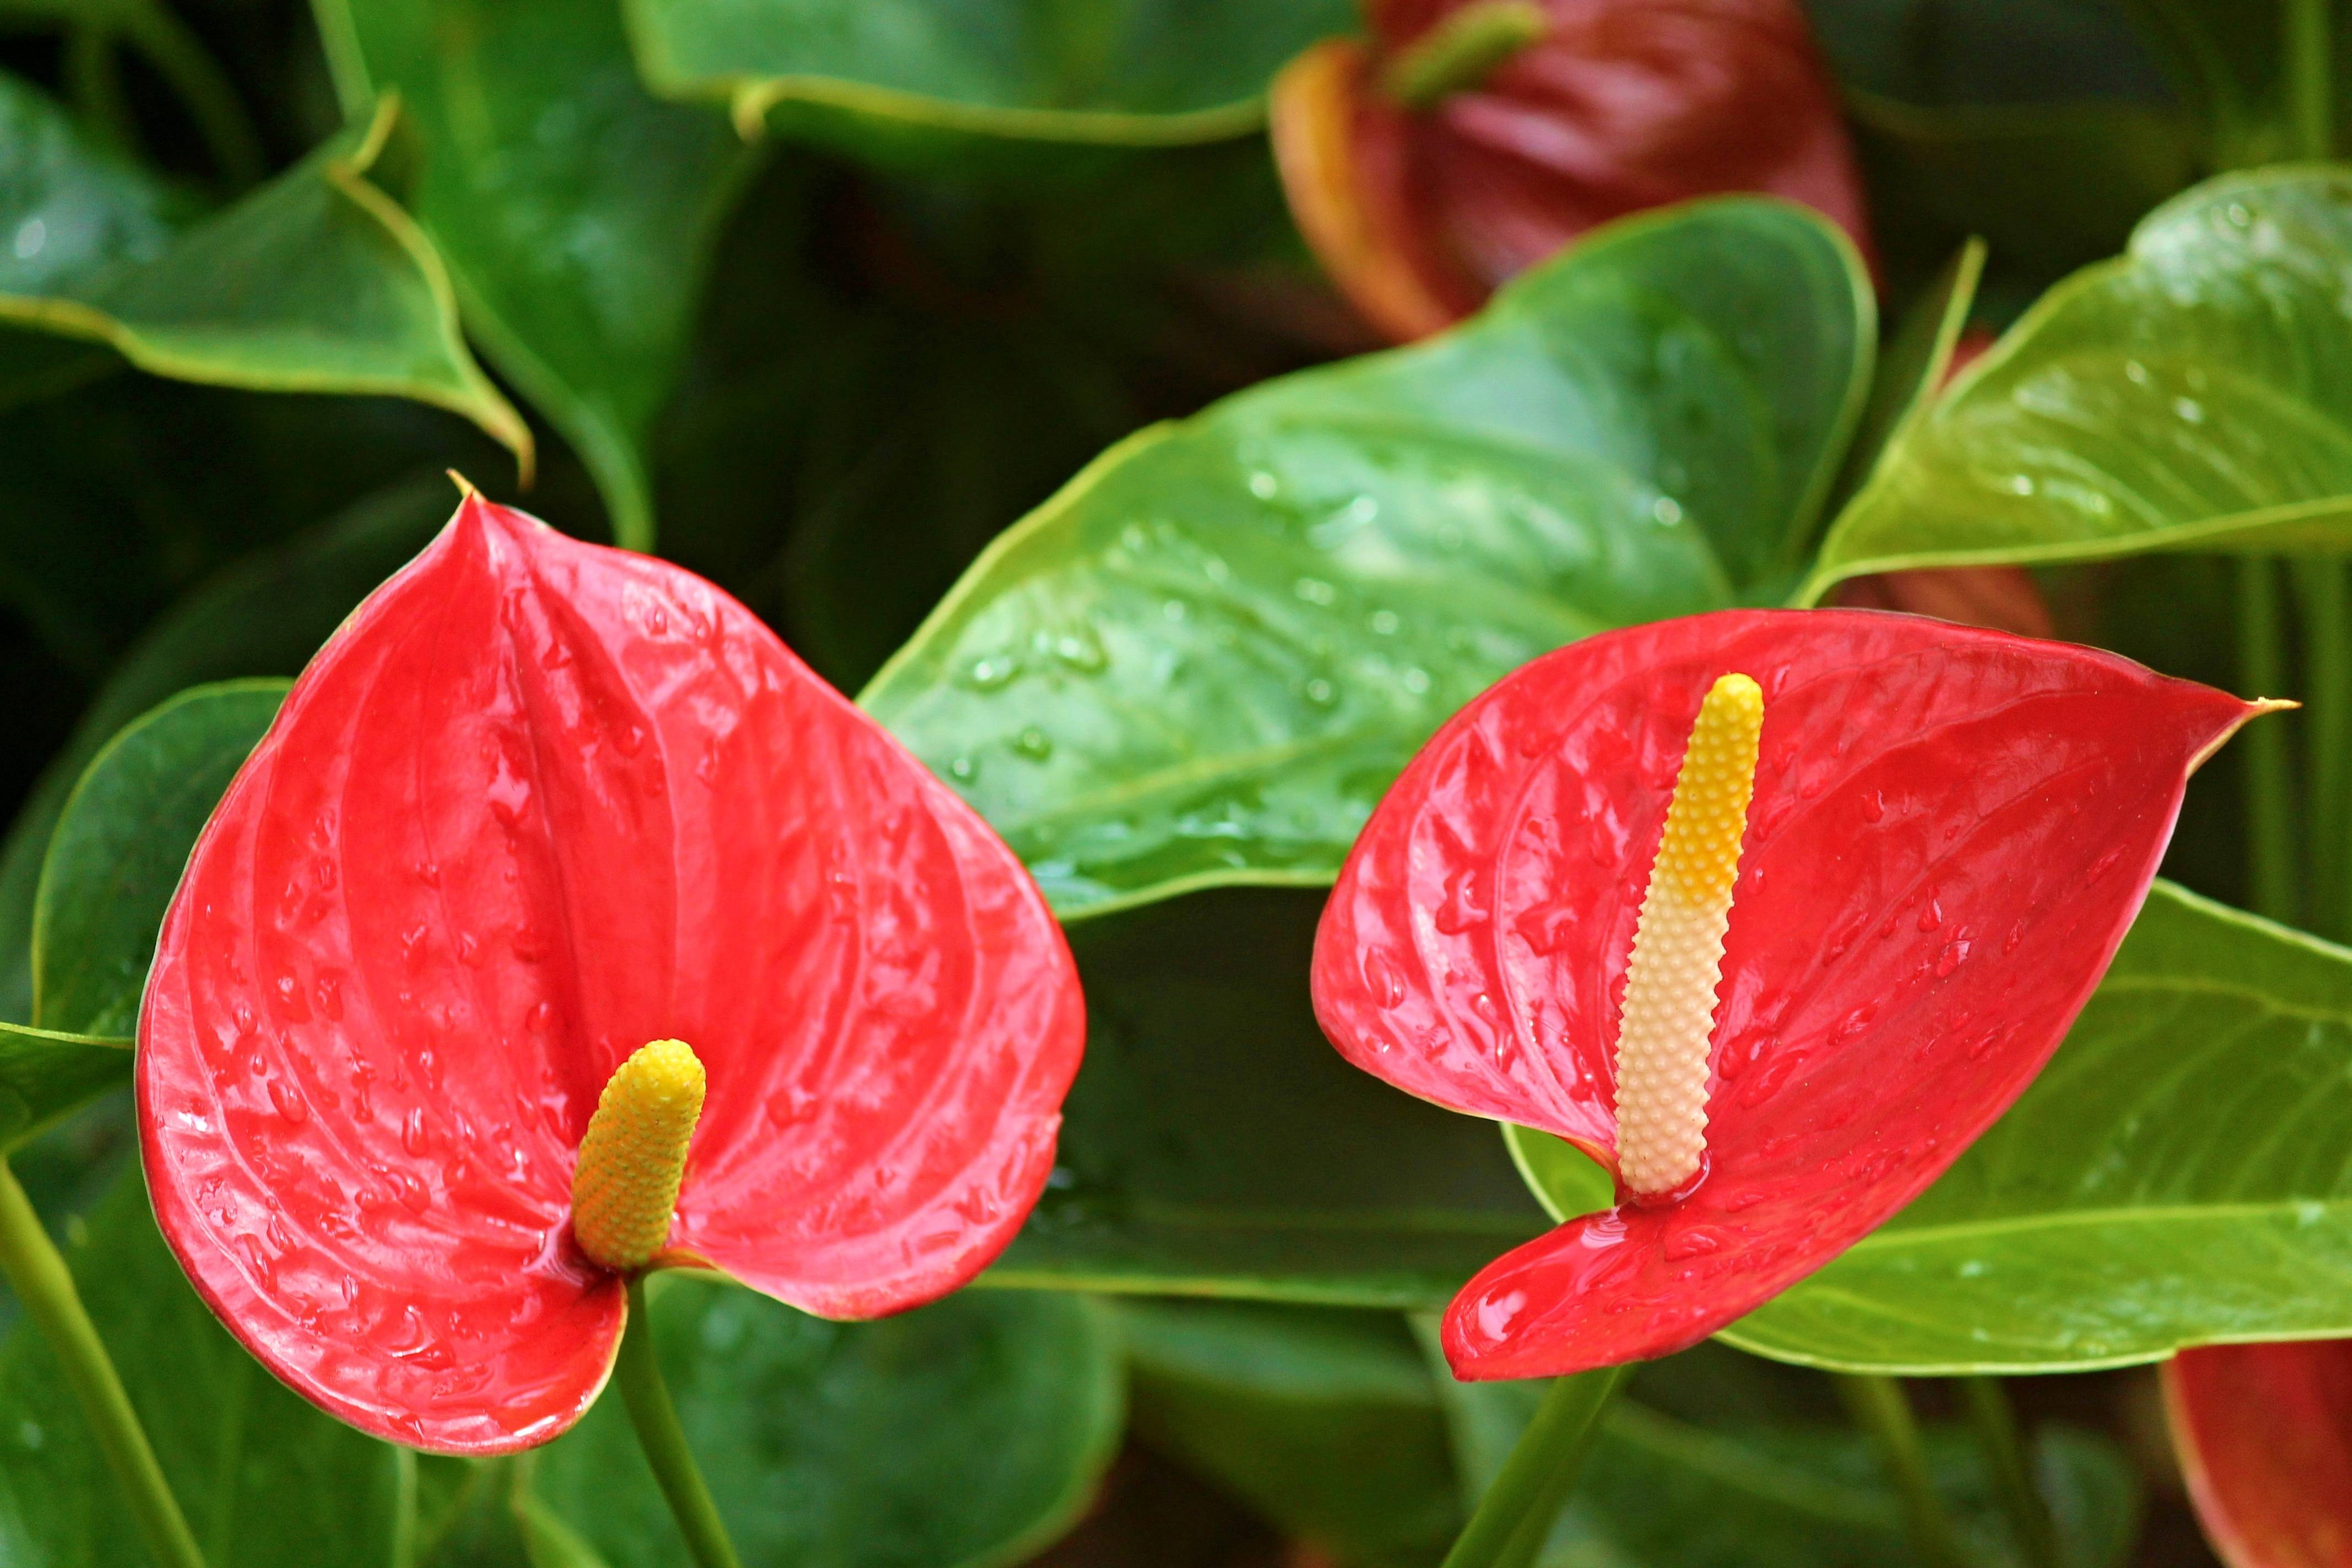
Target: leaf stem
181	59
2311	75
2270	838
2326	605
1995	1422
1515	1517
45	1285
1880	1407
638	1372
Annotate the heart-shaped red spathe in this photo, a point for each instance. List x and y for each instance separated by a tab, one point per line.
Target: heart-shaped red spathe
1622	106
2264	1437
1951	830
538	803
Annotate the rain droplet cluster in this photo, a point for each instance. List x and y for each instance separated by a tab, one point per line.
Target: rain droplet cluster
634	1156
1677	959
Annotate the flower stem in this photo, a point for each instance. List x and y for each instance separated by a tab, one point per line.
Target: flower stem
2321	587
1515	1516
1880	1407
45	1286
180	58
638	1372
2310	76
1996	1428
2261	665
1460	52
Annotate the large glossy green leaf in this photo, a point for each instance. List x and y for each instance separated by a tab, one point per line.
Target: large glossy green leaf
913	81
266	1479
1665	1490
1214	1143
1325	1422
2176	1176
119	846
263	616
963	1434
2193	394
1205	660
315	282
574	211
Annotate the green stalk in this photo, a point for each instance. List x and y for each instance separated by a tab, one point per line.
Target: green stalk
2269	835
180	57
1515	1516
1881	1409
2326	605
638	1372
2310	76
1461	52
46	1287
1996	1428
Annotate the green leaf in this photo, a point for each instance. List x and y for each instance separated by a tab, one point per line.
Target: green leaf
1916	362
69	207
45	1073
266	1479
120	845
2175	1177
263	616
1214	1143
1206	658
2193	394
576	211
315	282
916	81
1664	1491
965	1434
1325	1422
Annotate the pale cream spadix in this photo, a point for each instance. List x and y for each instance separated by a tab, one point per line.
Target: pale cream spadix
1677	959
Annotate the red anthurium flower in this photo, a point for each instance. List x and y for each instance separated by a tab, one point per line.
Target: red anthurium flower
2265	1435
1900	853
1475	138
539	808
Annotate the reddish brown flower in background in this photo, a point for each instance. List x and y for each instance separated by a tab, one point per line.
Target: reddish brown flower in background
538	803
1419	213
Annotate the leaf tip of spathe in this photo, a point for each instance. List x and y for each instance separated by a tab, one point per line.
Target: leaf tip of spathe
2249	710
467	490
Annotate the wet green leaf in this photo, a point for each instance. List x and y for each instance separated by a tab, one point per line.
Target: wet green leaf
961	1435
263	616
2176	1177
266	1479
2193	394
917	81
1215	1143
119	846
315	282
1326	1423
574	211
1206	658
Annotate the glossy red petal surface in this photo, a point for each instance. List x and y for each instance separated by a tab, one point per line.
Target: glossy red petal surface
537	803
2264	1437
1952	828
